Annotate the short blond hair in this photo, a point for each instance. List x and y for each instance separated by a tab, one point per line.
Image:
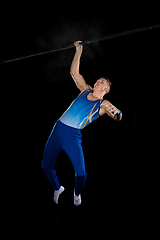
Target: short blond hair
109	82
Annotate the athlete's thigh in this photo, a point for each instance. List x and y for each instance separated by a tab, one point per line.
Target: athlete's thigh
52	149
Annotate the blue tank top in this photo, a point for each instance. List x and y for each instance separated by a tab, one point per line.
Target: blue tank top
82	111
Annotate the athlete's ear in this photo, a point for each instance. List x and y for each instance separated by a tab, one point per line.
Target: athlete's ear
107	89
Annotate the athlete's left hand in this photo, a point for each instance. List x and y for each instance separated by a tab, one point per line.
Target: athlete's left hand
79	47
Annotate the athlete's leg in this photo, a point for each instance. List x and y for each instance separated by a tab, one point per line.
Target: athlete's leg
74	151
52	149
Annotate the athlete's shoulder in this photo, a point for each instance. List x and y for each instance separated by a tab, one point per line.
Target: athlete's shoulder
104	102
103	105
87	89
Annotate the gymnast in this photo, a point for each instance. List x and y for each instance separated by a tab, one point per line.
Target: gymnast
66	133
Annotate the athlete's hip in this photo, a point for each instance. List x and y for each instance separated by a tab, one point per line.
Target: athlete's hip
64	131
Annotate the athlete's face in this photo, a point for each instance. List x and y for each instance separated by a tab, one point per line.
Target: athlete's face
101	85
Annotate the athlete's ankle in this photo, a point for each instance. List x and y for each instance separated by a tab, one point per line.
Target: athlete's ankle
57	194
77	199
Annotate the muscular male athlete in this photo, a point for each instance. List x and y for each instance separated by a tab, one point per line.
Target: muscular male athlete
66	133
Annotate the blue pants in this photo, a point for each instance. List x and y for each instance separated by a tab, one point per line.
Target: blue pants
68	139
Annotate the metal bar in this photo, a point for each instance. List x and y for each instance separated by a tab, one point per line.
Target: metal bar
116	35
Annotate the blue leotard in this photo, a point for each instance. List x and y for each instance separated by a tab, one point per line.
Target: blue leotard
66	136
82	111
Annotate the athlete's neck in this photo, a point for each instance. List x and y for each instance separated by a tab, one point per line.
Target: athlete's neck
98	95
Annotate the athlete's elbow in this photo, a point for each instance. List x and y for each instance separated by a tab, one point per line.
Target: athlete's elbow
71	71
73	74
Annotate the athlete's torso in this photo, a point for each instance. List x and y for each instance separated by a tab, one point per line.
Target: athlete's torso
82	111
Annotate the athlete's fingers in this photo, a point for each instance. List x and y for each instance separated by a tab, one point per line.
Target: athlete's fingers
110	109
77	43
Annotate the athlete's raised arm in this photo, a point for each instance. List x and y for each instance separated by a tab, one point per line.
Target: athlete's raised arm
74	70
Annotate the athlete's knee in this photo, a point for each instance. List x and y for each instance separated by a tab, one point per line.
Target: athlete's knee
84	176
41	164
45	169
44	166
81	173
80	170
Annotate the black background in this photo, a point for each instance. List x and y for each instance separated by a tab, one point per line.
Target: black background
36	91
